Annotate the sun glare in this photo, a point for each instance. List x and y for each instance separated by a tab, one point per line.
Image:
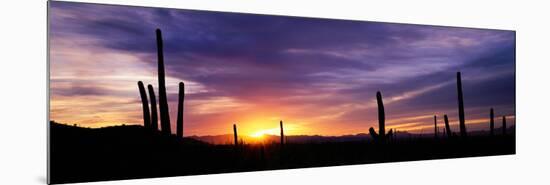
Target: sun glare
261	133
257	135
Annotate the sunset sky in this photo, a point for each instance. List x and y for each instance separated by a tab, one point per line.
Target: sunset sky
319	76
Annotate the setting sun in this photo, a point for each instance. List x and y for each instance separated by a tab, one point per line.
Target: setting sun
257	135
261	133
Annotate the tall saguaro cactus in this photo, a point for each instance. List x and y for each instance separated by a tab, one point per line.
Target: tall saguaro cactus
461	118
503	125
163	101
282	133
381	115
154	115
235	136
145	105
435	126
179	123
381	135
447	127
492	122
281	146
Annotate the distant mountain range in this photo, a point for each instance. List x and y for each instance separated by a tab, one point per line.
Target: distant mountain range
228	138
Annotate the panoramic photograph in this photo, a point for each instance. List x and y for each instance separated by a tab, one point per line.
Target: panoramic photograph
139	92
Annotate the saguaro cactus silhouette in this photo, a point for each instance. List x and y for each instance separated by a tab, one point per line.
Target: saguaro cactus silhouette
381	115
235	136
381	136
179	123
492	122
503	125
447	127
281	146
282	133
145	105
435	126
153	100
461	118
163	101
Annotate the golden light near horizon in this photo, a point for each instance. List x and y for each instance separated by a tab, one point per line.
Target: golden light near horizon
260	133
267	124
257	135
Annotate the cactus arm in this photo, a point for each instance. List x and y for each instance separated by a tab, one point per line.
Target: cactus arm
145	105
390	134
447	127
154	115
373	134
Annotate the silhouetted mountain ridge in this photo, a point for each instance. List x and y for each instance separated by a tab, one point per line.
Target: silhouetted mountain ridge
228	138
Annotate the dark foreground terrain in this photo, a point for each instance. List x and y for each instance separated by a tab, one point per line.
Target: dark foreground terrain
128	152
